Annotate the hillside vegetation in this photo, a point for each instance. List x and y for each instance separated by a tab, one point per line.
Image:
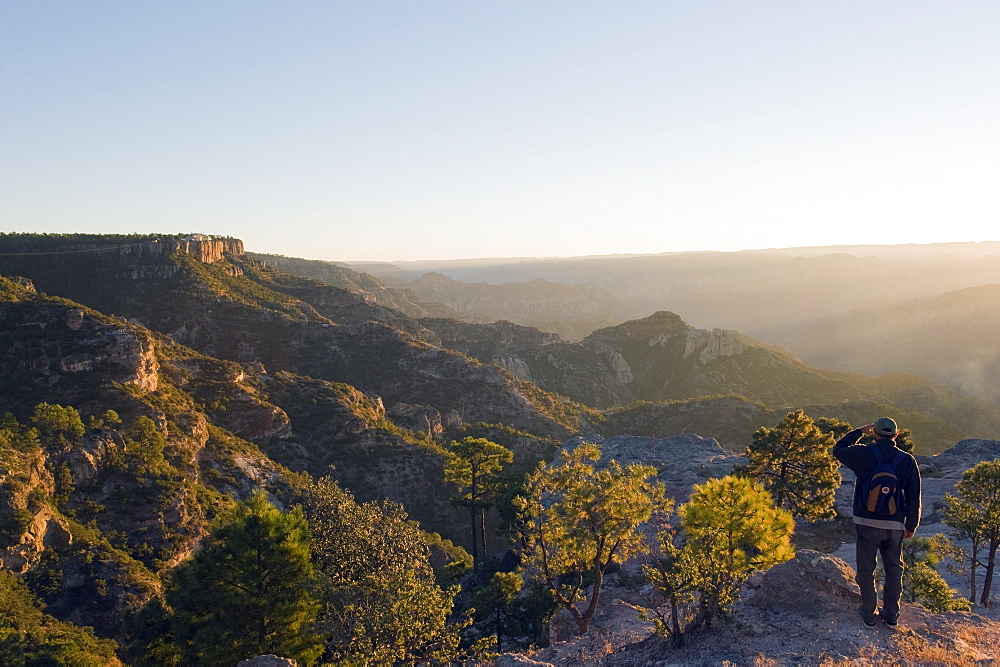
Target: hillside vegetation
157	387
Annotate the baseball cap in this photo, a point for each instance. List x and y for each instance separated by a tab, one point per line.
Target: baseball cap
884	426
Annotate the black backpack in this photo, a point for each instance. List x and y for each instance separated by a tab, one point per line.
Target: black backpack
881	492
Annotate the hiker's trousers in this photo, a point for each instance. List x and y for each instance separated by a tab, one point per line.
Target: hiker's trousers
888	543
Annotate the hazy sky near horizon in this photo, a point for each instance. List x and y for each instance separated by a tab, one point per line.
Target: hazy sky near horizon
376	130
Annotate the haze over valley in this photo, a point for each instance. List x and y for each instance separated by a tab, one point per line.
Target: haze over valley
930	310
512	333
257	366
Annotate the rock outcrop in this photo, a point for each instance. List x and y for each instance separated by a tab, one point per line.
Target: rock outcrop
681	461
52	347
710	345
417	418
803	611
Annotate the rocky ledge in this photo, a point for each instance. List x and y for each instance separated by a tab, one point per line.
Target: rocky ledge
803	611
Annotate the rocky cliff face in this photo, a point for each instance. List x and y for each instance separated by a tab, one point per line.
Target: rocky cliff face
710	345
107	271
55	347
92	514
538	357
205	250
122	249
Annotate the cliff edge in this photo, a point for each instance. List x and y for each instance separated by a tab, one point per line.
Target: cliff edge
803	611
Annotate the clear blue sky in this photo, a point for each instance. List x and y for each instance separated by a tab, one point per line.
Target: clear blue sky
425	129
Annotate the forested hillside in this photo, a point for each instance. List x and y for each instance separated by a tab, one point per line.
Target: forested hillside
166	398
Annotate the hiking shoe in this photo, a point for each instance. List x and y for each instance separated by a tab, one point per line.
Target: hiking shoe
869	619
891	622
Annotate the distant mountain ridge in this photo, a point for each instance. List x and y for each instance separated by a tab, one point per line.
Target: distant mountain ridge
953	339
372	289
749	291
240	309
670	367
572	311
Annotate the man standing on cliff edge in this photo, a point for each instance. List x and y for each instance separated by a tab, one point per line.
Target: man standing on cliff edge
886	510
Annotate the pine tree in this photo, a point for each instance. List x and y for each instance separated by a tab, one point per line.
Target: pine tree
731	527
29	636
493	603
247	591
904	440
474	465
144	444
833	426
577	519
921	582
380	601
963	519
793	462
59	427
975	513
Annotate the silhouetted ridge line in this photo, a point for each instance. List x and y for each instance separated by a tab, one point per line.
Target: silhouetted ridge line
73	252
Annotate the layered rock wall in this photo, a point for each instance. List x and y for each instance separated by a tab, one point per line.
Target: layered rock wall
50	344
128	249
203	248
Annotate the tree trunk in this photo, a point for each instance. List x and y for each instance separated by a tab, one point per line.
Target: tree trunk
701	618
501	626
584	621
778	492
675	621
482	529
988	578
972	570
472	519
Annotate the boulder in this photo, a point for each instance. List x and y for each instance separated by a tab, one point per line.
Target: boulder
791	587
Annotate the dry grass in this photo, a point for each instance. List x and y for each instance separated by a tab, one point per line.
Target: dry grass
933	655
917	653
868	655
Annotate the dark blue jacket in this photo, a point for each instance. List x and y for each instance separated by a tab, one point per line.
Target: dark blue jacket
862	462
